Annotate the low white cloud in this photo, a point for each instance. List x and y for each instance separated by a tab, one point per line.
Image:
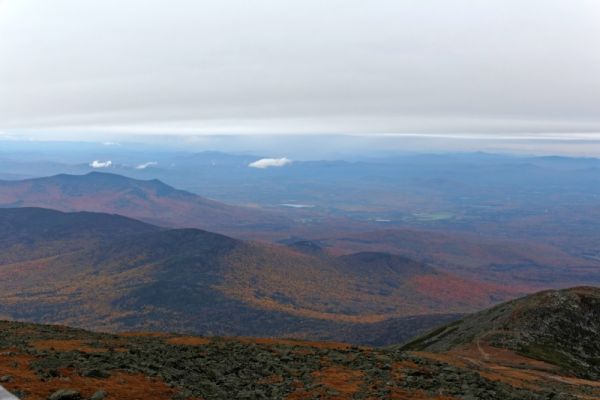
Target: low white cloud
100	164
270	162
111	144
146	165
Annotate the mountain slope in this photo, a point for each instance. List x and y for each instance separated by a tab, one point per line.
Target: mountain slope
365	287
203	282
32	233
560	327
150	201
113	273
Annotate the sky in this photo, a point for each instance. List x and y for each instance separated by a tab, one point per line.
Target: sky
494	68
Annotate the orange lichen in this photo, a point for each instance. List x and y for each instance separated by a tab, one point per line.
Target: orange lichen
343	380
118	385
417	395
66	345
188	341
144	334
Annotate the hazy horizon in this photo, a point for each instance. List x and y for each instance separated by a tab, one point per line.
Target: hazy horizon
313	147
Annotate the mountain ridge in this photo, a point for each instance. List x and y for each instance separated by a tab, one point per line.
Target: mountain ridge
151	201
561	327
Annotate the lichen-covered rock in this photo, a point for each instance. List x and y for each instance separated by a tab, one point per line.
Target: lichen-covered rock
65	394
99	395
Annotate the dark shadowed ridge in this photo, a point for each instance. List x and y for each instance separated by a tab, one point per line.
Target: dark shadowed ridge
52	224
30	233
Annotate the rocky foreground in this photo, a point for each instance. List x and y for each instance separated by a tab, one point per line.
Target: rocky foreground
59	363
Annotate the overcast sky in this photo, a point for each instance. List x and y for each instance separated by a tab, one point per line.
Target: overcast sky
522	67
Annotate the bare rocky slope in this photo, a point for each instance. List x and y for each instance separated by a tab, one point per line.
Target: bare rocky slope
560	327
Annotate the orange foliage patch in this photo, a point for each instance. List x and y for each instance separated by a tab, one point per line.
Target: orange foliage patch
188	341
66	345
456	290
343	380
144	334
119	385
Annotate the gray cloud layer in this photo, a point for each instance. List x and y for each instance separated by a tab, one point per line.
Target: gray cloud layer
316	66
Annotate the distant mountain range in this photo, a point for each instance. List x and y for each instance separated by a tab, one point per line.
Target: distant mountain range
109	272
